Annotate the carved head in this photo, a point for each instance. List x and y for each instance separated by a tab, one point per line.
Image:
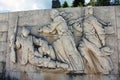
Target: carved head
89	10
65	15
25	32
54	13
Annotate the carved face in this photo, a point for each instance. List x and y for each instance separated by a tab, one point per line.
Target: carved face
54	13
89	10
25	32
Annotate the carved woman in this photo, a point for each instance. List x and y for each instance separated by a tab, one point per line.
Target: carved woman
92	46
64	45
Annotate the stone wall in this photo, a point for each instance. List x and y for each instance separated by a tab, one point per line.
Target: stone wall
37	18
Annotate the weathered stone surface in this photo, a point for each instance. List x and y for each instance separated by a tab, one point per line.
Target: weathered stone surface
118	33
118	57
117	13
13	76
57	76
75	13
2	56
36	20
102	13
12	19
110	30
3	46
3	36
118	41
111	41
3	26
3	17
17	68
1	67
109	77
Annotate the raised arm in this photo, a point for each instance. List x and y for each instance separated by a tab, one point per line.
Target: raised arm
50	28
103	22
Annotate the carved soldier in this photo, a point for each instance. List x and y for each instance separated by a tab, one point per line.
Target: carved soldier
93	46
27	42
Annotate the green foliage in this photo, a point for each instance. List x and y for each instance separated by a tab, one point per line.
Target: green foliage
117	2
92	3
77	3
103	2
65	4
99	3
80	4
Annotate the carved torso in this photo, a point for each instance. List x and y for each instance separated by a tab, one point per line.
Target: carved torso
26	46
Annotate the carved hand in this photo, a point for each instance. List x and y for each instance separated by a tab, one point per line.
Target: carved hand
40	30
109	24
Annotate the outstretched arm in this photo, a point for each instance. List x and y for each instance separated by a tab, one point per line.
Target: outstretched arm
50	28
103	22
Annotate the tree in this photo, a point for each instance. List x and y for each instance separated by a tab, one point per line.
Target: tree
56	4
65	4
117	2
77	3
92	2
103	2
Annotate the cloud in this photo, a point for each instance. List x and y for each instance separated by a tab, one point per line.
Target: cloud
19	5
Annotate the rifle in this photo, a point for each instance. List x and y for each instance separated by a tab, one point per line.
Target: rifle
13	56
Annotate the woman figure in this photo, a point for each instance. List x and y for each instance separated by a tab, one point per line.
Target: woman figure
64	45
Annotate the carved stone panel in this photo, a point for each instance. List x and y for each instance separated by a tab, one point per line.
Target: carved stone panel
34	46
62	43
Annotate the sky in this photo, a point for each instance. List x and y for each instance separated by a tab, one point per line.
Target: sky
23	5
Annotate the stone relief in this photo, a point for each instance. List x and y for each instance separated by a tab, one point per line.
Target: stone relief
42	56
91	55
92	44
70	55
